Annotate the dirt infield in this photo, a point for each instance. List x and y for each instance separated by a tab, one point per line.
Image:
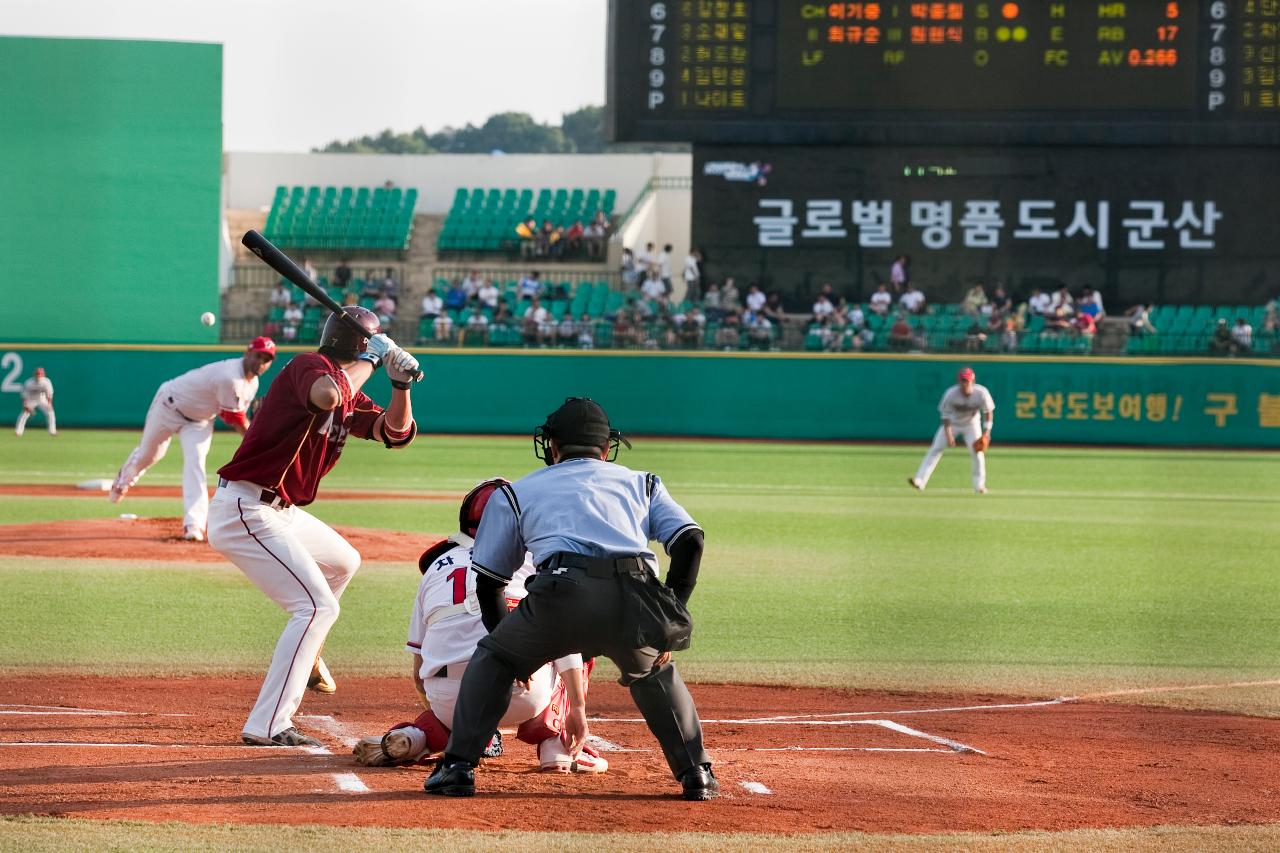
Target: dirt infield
161	539
155	749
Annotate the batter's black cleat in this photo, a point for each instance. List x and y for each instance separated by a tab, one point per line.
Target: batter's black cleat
494	749
452	778
288	737
700	783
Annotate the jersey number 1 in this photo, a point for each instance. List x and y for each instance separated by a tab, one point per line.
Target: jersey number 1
459	578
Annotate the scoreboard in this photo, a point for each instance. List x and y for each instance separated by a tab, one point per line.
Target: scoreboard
1070	72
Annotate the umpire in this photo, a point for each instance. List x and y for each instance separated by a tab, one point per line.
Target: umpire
588	523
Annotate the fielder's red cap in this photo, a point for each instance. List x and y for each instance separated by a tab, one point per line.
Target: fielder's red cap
263	344
966	373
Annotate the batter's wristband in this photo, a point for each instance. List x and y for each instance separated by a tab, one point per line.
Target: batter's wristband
403	386
371	358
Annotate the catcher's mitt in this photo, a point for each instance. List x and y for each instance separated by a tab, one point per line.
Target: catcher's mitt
981	443
369	753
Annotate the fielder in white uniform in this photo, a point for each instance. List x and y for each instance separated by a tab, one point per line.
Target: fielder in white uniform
967	410
444	628
186	406
37	393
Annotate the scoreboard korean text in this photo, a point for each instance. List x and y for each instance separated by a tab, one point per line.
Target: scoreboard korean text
1156	72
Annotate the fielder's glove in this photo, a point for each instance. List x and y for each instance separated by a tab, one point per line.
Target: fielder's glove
253	407
981	443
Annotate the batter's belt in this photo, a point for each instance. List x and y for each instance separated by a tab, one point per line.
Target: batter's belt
253	490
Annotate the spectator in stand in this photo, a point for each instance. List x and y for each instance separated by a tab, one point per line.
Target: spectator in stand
644	260
974	300
471	284
691	327
488	294
663	263
342	274
759	329
310	269
900	336
1091	303
536	320
1140	320
455	298
624	326
912	300
530	287
1040	304
975	336
432	306
773	309
350	299
1062	304
390	285
840	316
823	309
292	320
629	270
544	238
653	286
730	302
527	231
1058	320
1271	316
1084	325
692	275
881	301
641	312
372	287
861	336
572	240
729	335
1009	336
898	272
711	302
476	328
443	328
594	237
586	332
1222	342
1242	335
567	330
1001	304
282	296
503	319
755	298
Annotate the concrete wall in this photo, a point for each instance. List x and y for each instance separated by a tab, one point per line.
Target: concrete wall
254	177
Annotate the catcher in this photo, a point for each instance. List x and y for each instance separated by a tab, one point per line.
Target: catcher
966	408
443	633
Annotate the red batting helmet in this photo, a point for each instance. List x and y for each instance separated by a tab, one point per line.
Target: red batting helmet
344	341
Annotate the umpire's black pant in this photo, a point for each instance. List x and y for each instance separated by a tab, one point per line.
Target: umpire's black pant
565	613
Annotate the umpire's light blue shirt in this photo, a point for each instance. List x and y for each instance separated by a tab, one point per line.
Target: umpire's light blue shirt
584	506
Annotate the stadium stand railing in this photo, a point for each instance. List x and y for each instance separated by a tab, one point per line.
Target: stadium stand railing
484	220
333	218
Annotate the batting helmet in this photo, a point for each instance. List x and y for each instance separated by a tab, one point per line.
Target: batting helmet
343	341
579	424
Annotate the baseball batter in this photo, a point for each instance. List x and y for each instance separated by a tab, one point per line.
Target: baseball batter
256	518
37	393
186	406
443	632
966	409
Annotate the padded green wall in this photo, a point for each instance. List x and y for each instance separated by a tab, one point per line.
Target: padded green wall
1077	401
110	168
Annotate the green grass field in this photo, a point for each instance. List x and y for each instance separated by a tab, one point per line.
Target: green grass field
1084	570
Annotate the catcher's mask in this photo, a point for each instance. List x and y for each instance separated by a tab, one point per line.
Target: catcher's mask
580	427
341	340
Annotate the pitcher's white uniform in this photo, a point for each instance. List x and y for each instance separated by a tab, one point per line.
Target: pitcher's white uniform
186	406
37	393
446	626
966	414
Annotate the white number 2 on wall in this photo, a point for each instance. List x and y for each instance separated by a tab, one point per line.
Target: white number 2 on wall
12	383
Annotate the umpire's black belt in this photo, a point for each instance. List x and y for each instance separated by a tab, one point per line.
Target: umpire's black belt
268	496
595	567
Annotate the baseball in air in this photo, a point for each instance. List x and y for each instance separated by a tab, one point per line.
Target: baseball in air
208	319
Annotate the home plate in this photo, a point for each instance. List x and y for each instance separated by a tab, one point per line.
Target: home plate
95	485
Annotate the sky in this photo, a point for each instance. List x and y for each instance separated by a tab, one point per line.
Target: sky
300	73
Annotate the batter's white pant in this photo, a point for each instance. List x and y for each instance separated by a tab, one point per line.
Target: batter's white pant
968	434
303	565
45	408
163	422
442	693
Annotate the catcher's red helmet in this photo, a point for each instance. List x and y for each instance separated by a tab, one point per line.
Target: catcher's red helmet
474	503
342	339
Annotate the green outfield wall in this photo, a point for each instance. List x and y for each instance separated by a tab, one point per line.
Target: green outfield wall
110	181
795	396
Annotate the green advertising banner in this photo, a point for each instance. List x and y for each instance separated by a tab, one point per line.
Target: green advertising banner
1190	402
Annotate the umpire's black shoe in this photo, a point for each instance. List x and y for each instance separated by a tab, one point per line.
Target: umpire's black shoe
452	778
700	783
494	749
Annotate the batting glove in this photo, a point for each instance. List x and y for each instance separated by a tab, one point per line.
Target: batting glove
402	368
376	351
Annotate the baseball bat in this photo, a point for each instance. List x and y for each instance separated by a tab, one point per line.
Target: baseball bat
283	264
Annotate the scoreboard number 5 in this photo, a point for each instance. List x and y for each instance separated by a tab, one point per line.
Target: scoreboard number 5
12	362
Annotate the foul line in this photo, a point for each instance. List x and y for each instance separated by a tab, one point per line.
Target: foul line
141	745
348	782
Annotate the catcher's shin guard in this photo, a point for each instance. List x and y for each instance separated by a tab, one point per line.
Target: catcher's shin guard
436	731
550	722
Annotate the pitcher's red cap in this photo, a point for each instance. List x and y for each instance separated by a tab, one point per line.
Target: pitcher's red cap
965	373
263	344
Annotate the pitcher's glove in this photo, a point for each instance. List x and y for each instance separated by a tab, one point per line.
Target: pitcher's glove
981	443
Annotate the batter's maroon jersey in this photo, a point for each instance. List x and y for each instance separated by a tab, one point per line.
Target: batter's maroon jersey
290	444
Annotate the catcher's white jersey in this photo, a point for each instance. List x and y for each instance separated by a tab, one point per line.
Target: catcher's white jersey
37	390
963	410
201	393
